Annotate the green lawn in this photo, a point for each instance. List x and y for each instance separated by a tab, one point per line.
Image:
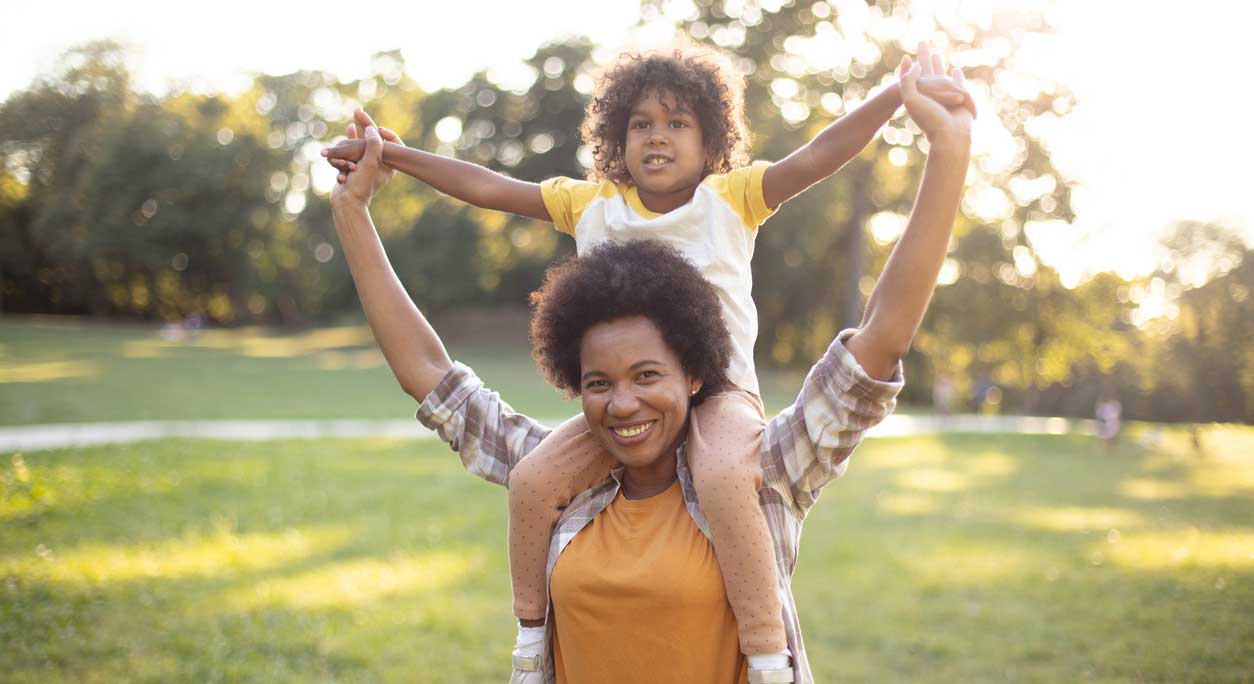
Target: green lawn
62	370
942	559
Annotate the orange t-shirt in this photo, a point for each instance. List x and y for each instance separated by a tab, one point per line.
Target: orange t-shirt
638	597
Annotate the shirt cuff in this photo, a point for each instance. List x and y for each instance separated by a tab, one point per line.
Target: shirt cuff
442	402
551	195
849	376
757	197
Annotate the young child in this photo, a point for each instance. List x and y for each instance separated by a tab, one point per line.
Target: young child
670	147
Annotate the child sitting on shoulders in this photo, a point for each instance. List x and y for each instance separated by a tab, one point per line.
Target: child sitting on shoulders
670	144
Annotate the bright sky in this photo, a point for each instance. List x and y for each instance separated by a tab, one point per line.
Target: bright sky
1145	149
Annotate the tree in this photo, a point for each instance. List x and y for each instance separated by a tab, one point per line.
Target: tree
808	63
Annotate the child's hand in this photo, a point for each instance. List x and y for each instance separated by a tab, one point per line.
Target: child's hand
345	155
946	92
346	150
936	120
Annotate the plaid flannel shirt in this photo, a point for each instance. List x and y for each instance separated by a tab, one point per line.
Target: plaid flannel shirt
803	448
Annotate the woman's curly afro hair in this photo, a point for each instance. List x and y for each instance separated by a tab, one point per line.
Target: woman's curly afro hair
613	281
704	80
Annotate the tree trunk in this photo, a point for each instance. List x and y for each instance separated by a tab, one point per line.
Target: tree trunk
855	257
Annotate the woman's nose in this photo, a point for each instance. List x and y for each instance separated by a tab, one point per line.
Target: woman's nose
623	404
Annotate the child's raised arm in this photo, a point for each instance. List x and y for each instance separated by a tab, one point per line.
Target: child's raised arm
458	179
844	139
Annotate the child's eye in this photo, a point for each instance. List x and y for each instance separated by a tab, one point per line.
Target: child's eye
640	124
679	124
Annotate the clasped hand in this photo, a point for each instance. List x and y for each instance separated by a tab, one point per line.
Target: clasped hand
361	178
938	121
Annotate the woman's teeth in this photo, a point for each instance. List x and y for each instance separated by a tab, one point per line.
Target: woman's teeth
632	431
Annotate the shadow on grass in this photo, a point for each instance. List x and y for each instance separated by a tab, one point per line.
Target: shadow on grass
1004	558
293	561
940	559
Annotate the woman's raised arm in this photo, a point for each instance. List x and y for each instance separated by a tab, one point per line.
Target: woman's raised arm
904	289
409	343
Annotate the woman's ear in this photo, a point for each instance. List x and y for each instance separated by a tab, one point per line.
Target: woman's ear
694	386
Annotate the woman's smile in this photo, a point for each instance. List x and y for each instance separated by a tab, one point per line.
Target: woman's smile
632	434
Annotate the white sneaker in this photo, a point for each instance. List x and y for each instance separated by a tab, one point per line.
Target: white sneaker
781	675
528	670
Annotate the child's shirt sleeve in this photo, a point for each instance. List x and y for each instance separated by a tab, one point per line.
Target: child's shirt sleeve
565	199
743	191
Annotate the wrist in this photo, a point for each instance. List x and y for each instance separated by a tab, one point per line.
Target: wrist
950	141
347	202
893	94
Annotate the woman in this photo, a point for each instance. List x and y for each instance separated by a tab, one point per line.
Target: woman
635	592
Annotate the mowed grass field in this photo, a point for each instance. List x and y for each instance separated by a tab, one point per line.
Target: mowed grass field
66	370
961	559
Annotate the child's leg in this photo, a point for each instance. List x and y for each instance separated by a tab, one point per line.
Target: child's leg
723	441
567	462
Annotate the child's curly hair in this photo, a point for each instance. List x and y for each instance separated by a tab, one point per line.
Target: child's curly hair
704	80
614	281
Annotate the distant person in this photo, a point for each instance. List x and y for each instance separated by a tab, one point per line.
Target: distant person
943	394
670	146
1108	412
991	404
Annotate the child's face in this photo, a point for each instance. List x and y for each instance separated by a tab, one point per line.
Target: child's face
664	151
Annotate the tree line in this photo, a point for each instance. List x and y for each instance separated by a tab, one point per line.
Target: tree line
122	204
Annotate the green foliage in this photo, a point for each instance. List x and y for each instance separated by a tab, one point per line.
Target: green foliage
955	559
116	203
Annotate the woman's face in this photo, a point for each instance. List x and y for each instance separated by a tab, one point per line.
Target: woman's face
634	390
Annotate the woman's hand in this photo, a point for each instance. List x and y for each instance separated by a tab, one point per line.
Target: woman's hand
940	124
360	181
946	91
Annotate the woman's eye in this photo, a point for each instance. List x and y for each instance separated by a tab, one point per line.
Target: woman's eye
649	374
596	385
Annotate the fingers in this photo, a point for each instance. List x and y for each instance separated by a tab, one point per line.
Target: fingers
910	79
333	152
925	59
373	157
362	119
389	135
956	74
933	64
906	64
351	131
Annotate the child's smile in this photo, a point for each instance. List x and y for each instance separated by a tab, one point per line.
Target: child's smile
664	151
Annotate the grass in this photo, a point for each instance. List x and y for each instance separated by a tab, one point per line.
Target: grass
940	559
64	370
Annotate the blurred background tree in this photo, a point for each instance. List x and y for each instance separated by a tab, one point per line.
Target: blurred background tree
118	203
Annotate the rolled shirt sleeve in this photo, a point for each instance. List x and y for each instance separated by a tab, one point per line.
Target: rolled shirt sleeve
489	436
809	443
